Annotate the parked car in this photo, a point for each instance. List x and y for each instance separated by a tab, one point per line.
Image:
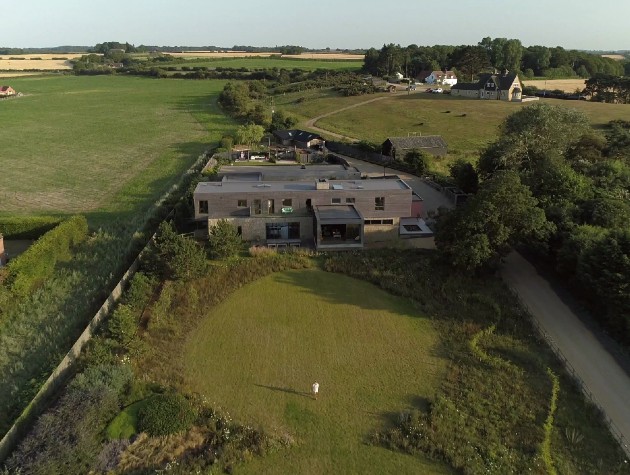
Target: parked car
428	89
437	90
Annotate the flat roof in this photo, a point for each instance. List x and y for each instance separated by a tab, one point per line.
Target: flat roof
310	185
288	172
333	212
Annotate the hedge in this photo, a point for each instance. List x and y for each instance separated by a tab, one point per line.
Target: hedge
30	227
37	263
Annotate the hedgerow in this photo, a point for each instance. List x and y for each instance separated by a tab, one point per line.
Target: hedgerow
27	227
37	263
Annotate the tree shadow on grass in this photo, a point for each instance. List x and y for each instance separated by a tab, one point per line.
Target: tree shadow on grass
286	390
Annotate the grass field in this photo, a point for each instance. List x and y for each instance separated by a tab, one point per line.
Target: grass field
245	54
371	352
400	115
106	143
268	63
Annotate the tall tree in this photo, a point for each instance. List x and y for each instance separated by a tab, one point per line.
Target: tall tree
502	214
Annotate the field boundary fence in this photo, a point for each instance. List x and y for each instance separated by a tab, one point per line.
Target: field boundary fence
614	430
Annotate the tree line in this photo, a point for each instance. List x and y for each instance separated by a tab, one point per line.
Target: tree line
559	188
488	54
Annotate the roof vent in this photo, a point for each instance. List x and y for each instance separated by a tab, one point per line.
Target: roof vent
337	187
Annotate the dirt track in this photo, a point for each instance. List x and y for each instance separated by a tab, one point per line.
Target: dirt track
602	376
311	122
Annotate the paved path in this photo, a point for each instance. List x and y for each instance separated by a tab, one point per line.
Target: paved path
608	383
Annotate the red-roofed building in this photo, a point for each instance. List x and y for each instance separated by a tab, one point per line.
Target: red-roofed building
6	91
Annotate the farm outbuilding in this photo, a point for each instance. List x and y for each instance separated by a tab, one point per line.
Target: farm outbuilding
396	147
6	91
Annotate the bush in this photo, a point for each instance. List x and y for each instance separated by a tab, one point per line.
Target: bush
66	440
28	270
123	324
166	414
224	240
177	256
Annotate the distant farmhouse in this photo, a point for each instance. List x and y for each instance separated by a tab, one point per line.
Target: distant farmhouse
504	87
447	78
7	91
397	147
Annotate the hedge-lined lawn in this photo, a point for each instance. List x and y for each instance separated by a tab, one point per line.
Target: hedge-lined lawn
257	354
107	143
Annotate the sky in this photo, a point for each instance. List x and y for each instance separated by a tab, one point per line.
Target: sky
342	24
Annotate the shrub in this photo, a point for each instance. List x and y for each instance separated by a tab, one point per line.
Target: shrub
177	256
256	251
166	414
140	291
123	324
67	438
224	240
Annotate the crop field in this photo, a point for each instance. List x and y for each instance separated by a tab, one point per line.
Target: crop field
467	125
37	61
371	352
566	85
82	144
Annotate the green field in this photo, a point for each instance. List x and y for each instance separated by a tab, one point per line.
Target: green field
257	354
400	115
269	63
105	143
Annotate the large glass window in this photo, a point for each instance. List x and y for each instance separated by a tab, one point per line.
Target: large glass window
379	203
242	203
287	202
336	201
203	207
283	230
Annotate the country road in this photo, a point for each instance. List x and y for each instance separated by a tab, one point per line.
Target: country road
603	377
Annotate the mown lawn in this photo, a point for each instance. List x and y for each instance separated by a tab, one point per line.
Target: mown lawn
105	143
257	354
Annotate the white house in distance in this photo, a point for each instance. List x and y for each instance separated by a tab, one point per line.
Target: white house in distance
447	78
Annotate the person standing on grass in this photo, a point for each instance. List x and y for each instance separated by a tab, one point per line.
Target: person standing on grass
315	389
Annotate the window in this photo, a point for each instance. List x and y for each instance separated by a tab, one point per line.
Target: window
287	202
239	230
388	221
242	203
257	207
379	203
336	201
203	207
349	200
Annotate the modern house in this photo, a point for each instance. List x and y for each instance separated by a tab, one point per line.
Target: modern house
289	173
438	77
326	214
298	138
6	91
397	147
504	87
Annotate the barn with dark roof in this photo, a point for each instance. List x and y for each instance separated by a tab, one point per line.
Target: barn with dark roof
397	147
